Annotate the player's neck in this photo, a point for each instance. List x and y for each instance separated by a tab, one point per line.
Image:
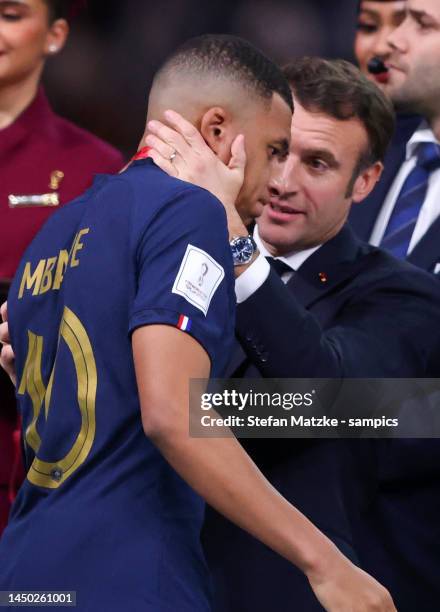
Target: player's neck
15	98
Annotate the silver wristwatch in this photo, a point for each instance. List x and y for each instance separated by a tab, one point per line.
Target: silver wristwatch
243	249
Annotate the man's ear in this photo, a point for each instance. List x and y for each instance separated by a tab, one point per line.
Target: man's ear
215	129
366	181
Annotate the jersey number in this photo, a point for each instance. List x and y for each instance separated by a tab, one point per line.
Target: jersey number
72	332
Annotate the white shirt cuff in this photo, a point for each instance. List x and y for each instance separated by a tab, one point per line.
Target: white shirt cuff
252	279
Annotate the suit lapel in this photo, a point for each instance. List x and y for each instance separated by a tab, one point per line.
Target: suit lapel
326	269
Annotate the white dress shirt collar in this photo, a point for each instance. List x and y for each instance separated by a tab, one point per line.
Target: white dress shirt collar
256	274
422	134
294	260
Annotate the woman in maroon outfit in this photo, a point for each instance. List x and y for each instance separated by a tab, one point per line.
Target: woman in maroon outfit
45	161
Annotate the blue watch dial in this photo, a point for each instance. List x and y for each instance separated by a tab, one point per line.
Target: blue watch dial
243	249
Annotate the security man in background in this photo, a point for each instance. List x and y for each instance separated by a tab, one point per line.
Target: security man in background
402	215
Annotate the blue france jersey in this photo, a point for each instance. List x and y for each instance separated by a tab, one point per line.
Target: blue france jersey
101	512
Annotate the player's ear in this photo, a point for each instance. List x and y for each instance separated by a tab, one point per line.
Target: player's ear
214	127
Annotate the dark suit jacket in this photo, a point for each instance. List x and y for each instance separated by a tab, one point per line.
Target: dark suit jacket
369	315
363	216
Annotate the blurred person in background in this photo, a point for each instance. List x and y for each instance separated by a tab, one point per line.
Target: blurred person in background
376	20
45	161
402	213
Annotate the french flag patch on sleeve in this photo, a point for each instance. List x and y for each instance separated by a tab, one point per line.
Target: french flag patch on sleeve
184	323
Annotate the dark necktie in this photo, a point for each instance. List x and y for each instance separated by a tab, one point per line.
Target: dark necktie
278	266
400	228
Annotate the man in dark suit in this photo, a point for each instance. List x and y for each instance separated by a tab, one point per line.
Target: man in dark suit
403	213
347	310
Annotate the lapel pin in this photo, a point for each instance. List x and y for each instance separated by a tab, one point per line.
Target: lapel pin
323	277
55	179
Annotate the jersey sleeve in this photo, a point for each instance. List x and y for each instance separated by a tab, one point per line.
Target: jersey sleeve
185	273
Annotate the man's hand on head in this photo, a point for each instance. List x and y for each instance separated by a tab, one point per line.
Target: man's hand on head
179	149
7	357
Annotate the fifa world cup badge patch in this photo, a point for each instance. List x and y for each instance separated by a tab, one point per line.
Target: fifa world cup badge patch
198	278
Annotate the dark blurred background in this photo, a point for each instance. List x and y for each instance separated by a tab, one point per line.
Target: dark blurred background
102	78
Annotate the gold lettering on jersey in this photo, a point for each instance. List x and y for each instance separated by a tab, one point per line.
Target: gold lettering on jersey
77	246
32	383
52	474
32	281
48	394
62	263
49	273
46	281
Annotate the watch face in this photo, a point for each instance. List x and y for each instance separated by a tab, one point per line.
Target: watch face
243	249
